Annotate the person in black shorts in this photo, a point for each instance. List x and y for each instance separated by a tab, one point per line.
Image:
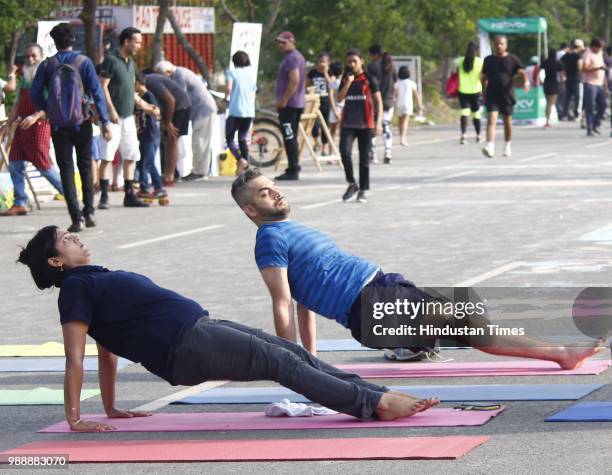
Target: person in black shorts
318	77
553	68
361	95
498	72
174	104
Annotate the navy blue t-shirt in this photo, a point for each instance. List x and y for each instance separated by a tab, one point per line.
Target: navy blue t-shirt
127	313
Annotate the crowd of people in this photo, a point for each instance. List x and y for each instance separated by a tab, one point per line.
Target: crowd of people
125	116
575	82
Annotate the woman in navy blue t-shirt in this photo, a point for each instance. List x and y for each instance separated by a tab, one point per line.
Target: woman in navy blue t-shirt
128	315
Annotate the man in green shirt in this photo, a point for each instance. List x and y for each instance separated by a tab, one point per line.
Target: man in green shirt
118	74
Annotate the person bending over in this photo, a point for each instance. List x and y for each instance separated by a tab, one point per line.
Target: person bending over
174	338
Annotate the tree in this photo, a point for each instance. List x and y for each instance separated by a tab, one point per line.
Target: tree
16	17
193	54
158	37
88	17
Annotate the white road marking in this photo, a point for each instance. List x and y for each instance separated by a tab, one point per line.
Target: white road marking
448	177
527	184
599	144
322	203
488	275
192	391
170	236
601	234
537	157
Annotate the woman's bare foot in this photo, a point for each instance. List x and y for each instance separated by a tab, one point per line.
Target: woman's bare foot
573	356
430	402
393	406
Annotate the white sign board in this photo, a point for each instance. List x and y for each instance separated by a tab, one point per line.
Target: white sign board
190	19
43	37
246	37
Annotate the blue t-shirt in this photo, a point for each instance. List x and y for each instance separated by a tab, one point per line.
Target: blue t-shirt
127	314
322	277
242	97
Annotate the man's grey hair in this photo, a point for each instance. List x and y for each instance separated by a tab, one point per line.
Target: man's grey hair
240	186
164	66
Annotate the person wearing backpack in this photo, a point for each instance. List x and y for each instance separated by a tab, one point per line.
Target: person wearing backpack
61	88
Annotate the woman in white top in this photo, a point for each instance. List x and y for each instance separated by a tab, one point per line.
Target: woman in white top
407	93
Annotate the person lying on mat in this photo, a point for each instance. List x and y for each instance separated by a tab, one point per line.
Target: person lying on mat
301	263
174	338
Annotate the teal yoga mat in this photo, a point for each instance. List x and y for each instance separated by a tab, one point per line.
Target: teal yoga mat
39	396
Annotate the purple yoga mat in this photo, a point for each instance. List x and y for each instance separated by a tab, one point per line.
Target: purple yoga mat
492	368
222	421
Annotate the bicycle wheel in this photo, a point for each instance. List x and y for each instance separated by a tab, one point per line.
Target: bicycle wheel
266	144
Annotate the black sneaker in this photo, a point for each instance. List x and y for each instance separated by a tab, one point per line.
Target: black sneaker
90	221
387	160
287	176
193	177
596	131
361	197
350	192
103	204
131	201
76	226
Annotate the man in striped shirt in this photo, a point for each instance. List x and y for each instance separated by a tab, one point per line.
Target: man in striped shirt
301	263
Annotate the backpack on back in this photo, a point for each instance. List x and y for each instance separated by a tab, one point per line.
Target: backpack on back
66	100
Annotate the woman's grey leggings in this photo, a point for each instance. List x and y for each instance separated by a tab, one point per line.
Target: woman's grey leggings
220	349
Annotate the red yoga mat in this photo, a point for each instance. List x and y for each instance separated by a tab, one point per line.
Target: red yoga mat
451	370
223	421
451	447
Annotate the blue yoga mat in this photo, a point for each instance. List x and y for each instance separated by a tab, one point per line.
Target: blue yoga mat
487	392
55	364
585	412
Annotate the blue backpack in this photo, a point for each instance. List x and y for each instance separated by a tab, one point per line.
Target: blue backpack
66	101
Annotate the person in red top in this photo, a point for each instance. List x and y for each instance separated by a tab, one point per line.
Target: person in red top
32	137
360	92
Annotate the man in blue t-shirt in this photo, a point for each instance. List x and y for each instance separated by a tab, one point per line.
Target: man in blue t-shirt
301	263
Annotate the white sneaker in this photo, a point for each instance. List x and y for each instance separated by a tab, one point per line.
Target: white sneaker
507	150
488	150
479	139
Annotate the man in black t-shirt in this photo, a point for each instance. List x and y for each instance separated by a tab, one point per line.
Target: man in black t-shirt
318	77
498	72
571	63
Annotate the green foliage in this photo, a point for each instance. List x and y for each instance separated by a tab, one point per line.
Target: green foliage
20	14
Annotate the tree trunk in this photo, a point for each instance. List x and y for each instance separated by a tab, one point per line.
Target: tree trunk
606	21
15	36
586	17
158	37
251	11
193	54
88	16
272	18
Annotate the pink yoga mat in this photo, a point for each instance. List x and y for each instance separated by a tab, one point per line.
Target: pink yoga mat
451	447
495	368
223	421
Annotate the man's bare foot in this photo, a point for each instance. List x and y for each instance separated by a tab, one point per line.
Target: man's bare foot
573	356
393	406
430	402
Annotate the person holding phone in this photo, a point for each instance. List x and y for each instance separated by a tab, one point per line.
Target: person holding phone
593	78
360	92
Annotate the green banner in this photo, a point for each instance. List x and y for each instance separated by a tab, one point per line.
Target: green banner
512	25
530	106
